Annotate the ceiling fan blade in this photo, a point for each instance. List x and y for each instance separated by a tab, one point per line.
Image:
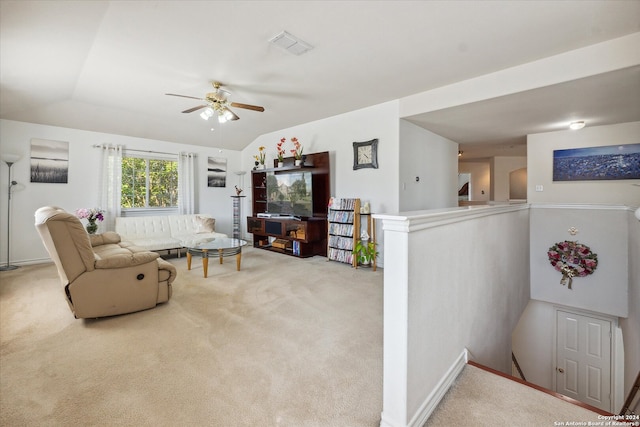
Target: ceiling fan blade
247	106
184	96
235	117
191	110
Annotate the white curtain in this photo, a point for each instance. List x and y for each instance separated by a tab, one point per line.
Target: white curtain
110	185
186	183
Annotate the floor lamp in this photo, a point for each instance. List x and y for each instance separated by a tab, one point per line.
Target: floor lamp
9	159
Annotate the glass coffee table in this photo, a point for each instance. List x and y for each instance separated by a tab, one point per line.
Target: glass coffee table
220	247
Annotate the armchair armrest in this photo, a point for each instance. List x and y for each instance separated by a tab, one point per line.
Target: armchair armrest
126	260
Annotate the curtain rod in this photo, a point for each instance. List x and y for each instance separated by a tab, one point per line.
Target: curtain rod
143	151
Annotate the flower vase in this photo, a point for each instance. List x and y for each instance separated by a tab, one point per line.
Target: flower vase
280	164
92	227
262	166
298	162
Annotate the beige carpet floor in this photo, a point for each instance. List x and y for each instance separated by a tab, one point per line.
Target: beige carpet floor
283	342
479	398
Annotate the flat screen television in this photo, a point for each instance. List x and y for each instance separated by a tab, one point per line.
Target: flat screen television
290	193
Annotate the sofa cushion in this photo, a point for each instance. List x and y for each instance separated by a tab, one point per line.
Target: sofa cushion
140	227
155	243
185	224
156	233
205	224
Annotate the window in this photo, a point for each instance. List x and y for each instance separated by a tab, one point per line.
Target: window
149	183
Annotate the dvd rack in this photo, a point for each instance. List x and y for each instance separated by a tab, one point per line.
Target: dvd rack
343	230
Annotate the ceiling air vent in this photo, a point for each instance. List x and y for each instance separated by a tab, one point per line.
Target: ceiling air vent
290	43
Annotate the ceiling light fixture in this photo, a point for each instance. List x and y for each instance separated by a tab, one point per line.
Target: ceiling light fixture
207	113
576	125
459	153
290	43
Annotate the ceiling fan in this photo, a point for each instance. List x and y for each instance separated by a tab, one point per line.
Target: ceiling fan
217	102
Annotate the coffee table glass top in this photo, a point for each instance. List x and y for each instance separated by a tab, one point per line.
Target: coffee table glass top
219	243
221	247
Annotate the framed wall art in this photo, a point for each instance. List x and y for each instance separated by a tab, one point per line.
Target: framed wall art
49	161
216	172
597	163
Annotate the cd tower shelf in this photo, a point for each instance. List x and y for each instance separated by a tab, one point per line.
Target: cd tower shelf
343	230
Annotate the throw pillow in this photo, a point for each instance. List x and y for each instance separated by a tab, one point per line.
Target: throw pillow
206	225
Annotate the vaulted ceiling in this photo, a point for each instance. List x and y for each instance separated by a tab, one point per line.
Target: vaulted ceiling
106	65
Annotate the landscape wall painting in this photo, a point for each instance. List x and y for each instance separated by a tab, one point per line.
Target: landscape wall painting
597	163
216	172
49	161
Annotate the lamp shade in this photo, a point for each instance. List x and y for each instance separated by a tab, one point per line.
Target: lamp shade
9	158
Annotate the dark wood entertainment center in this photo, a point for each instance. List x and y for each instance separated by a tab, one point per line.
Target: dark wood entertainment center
303	237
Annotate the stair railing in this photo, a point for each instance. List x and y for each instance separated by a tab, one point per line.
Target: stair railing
517	365
632	395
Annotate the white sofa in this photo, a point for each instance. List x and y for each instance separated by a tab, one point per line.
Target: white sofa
167	232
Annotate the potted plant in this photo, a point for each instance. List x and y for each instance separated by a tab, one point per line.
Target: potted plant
297	152
365	252
281	152
260	158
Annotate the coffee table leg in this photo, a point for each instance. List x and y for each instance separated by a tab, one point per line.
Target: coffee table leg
188	260
205	262
220	254
238	259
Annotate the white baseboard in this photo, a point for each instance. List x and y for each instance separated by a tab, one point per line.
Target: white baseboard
434	398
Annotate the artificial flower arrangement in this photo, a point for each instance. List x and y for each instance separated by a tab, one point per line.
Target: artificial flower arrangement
297	153
92	215
572	259
260	157
281	149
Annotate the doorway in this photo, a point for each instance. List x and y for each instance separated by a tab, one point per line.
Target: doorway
464	182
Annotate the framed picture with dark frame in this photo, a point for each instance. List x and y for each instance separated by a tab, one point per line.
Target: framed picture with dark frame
365	154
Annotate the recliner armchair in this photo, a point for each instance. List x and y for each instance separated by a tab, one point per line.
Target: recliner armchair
101	275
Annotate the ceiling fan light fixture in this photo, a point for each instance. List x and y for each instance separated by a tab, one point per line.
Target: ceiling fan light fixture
290	43
222	118
576	125
207	113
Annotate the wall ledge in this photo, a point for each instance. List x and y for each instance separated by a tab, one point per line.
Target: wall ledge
580	206
407	222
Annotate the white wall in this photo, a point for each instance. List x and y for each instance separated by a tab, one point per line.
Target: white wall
502	166
604	230
540	167
442	294
612	233
534	334
82	188
428	176
631	325
480	180
532	343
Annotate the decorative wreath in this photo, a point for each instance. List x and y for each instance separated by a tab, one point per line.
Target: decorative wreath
572	259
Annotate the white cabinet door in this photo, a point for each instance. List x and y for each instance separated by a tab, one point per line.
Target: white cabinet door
583	359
